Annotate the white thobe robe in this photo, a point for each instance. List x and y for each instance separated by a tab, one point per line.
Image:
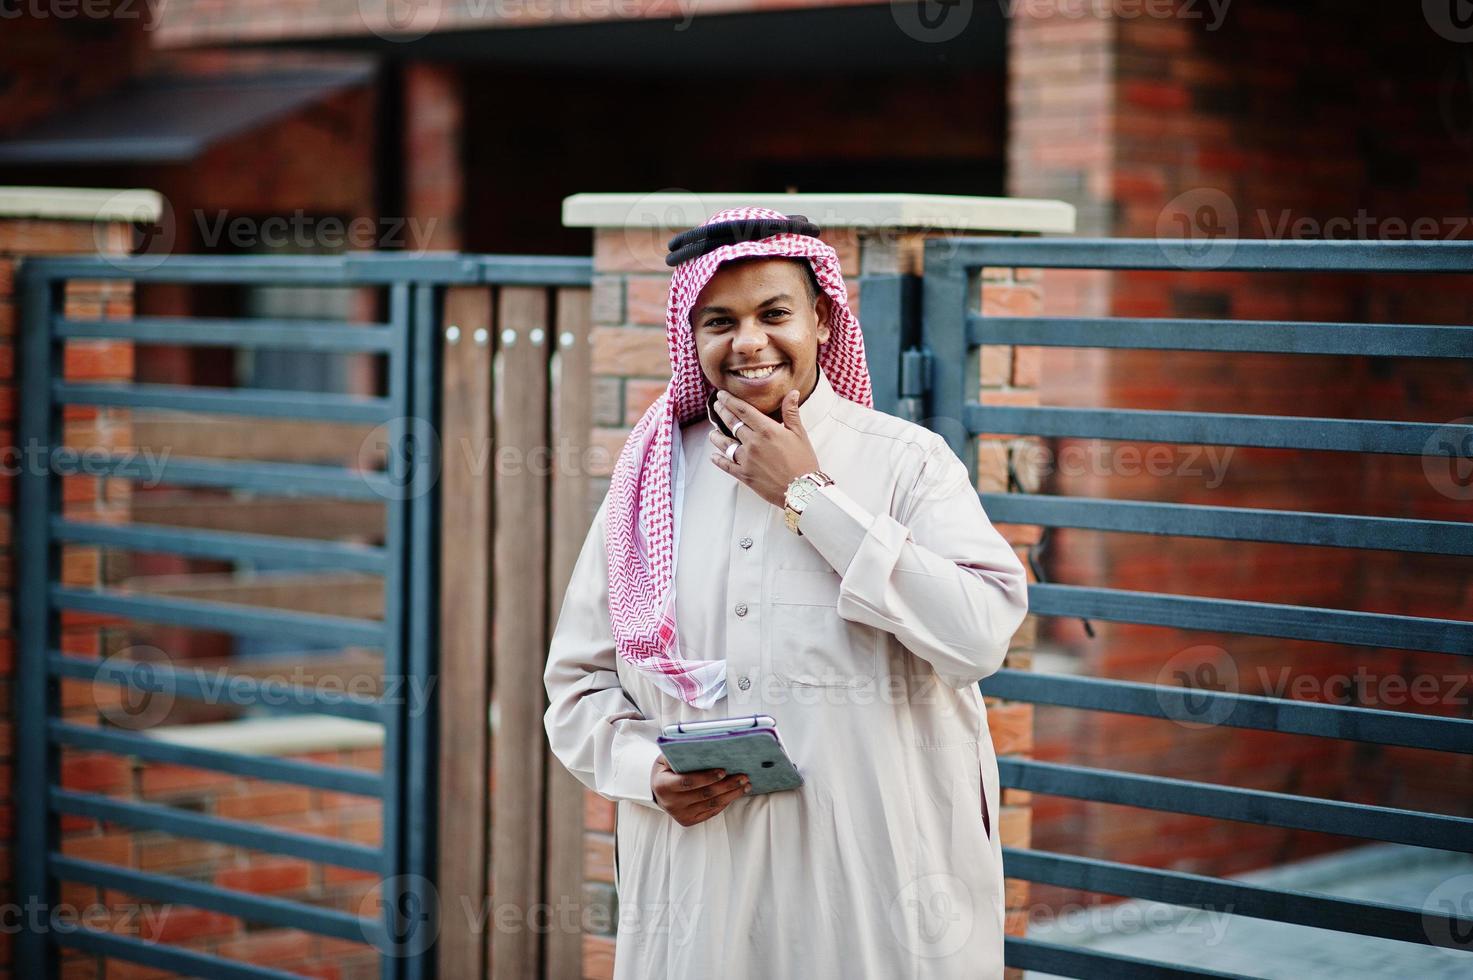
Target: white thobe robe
864	638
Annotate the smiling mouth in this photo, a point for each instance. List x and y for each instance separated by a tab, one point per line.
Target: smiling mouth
755	374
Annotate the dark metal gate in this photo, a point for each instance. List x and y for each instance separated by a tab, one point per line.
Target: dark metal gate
409	292
952	331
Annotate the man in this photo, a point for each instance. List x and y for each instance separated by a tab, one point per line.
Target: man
830	566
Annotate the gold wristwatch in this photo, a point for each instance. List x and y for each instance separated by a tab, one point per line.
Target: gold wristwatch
799	491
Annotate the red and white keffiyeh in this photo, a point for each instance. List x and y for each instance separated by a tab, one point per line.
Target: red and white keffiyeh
640	520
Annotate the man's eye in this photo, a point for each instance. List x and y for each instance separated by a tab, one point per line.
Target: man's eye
777	312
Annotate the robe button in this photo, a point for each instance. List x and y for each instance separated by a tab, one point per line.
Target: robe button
745	542
744	682
741	608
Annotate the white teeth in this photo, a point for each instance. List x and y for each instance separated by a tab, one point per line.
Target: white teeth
757	373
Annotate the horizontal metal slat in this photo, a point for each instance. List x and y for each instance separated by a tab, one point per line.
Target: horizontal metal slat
185	962
535	270
1241	255
283	479
301	553
351	269
253	402
339	779
1215	428
1262	336
197	684
1074	961
182	823
223	617
242	905
1401	923
1197	706
326	336
1235	803
1233	523
1254	618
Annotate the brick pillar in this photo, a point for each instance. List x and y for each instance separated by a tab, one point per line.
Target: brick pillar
873	234
434	194
36	221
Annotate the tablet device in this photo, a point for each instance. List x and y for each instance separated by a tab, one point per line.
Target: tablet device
748	745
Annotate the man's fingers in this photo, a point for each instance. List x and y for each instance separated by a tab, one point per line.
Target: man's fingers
791	418
707	809
735	781
724	413
690	781
755	420
721	442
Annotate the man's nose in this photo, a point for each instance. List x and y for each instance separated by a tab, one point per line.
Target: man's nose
750	336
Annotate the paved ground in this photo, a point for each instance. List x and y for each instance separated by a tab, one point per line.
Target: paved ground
1389	873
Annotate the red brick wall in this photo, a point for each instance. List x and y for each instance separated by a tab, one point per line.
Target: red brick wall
95	361
1268	129
91	361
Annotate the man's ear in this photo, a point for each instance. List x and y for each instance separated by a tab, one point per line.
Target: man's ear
822	307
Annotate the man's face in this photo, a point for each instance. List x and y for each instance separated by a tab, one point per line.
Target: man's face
759	314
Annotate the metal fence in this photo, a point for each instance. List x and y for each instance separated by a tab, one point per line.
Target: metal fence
408	341
952	332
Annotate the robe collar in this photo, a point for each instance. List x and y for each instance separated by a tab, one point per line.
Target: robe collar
819	403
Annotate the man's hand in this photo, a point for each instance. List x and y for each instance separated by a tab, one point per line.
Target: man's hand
772	454
691	797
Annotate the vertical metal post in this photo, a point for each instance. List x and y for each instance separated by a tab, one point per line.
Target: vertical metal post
887	314
944	332
36	768
396	901
420	786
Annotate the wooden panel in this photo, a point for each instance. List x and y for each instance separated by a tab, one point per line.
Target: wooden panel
572	411
465	605
518	627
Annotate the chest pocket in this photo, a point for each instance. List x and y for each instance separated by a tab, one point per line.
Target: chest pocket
809	643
